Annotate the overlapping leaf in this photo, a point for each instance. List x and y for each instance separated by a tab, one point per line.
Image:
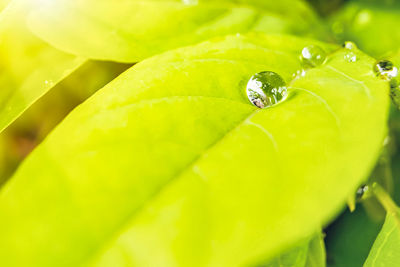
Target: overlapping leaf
130	31
170	165
29	67
386	249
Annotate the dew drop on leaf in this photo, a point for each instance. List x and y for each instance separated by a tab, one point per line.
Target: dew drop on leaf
298	74
349	45
385	70
312	56
361	192
350	57
266	89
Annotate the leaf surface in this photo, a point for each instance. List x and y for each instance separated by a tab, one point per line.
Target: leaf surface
130	31
170	165
386	249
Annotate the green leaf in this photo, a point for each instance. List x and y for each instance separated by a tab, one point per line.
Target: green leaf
129	31
350	238
371	26
29	67
170	164
309	253
386	249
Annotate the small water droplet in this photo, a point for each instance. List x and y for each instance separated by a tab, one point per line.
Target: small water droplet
385	69
299	73
361	191
350	57
313	56
349	45
266	89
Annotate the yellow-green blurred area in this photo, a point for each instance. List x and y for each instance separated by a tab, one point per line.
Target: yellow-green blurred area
29	68
18	140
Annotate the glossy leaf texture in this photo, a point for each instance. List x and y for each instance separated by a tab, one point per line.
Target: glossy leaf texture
170	164
372	26
29	67
386	249
129	31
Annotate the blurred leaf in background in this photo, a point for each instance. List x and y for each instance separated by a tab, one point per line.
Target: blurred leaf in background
18	140
129	31
372	25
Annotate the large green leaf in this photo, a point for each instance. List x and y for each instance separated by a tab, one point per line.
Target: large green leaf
130	31
372	26
29	67
170	165
386	249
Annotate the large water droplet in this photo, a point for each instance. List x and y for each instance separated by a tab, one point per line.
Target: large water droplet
385	69
266	89
313	56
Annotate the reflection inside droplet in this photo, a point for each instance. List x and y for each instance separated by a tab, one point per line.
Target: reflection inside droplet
266	89
385	69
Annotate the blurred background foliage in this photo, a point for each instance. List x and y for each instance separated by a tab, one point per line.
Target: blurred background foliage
372	24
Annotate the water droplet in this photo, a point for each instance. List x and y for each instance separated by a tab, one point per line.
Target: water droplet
385	69
349	45
266	89
350	57
313	56
299	73
361	191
